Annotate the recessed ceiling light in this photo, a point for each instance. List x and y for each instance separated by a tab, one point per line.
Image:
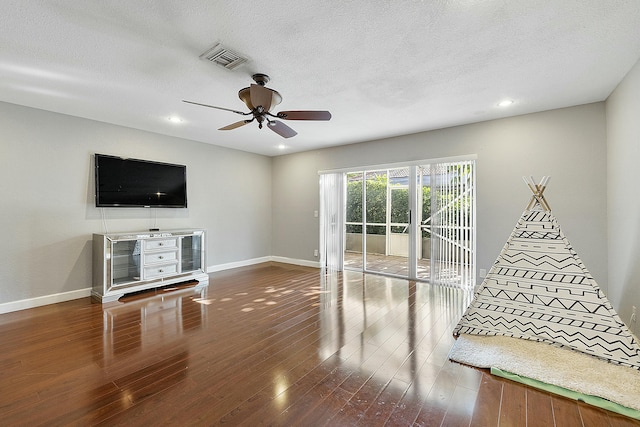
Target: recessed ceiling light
174	119
505	103
282	146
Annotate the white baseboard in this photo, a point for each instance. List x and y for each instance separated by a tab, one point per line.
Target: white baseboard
86	292
24	304
253	261
237	264
295	261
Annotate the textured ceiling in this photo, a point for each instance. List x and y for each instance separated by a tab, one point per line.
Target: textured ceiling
383	68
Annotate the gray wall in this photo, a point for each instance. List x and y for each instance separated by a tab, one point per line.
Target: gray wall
48	214
567	144
623	178
46	183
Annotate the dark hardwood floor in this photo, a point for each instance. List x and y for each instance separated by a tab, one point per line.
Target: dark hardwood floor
264	345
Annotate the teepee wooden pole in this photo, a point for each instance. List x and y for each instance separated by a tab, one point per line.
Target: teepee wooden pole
538	192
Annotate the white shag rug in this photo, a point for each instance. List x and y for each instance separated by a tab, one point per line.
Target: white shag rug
552	365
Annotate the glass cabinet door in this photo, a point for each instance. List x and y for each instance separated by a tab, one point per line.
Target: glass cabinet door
125	261
191	253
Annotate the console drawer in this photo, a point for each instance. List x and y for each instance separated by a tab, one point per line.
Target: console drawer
157	257
150	245
160	271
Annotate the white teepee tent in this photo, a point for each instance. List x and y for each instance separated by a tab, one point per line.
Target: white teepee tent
538	289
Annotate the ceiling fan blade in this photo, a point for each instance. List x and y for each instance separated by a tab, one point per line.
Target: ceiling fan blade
281	129
218	108
261	96
235	125
304	115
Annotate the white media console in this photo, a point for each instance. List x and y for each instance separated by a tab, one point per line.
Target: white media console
137	261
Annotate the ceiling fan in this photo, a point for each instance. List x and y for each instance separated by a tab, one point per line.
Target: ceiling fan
261	100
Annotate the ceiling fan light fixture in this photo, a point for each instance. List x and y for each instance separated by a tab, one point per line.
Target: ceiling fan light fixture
245	96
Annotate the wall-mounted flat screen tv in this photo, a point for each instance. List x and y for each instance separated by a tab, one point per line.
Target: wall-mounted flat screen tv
122	182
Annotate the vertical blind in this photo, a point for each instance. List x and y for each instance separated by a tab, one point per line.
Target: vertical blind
332	217
453	217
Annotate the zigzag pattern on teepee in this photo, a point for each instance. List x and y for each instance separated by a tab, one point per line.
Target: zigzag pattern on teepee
539	289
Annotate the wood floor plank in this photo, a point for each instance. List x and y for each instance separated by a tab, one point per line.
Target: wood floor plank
620	421
323	413
387	400
487	406
565	412
270	344
407	409
513	411
539	408
434	407
592	416
461	407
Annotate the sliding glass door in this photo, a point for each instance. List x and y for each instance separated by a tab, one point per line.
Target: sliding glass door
414	221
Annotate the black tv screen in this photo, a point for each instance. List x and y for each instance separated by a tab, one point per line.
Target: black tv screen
122	182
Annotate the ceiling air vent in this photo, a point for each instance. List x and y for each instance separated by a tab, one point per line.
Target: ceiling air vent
224	57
